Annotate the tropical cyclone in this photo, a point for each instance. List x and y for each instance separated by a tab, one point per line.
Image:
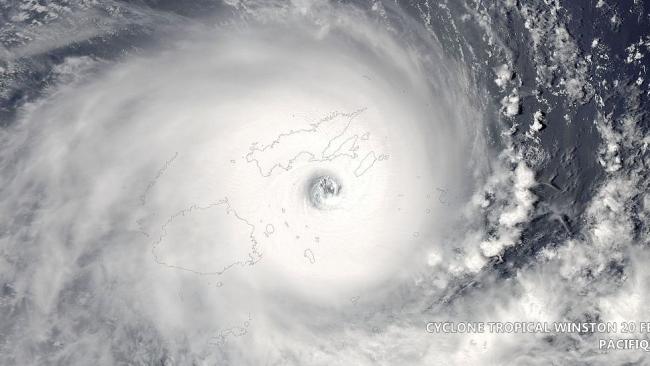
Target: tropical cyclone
249	182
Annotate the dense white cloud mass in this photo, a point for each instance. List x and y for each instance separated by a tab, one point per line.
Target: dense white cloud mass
177	181
311	183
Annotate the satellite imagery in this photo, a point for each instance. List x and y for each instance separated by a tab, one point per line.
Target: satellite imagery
324	182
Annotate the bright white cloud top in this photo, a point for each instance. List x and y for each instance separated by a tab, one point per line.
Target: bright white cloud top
301	183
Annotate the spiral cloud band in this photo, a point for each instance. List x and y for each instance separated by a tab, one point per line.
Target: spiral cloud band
194	164
308	183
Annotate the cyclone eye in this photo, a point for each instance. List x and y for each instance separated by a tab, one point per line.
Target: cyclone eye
325	192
